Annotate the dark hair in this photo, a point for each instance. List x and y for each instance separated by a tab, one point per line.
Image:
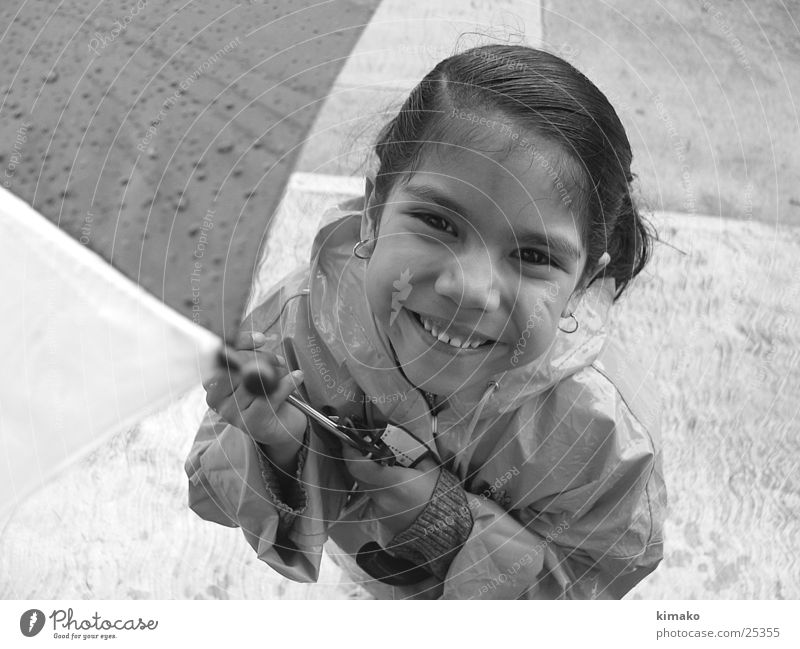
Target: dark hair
540	93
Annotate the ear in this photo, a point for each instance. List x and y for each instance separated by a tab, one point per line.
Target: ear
370	218
577	294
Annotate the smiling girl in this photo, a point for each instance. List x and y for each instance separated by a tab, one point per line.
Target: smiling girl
465	298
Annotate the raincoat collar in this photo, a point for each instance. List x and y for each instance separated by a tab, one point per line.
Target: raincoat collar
345	322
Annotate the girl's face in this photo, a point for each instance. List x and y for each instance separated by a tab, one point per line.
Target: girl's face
477	257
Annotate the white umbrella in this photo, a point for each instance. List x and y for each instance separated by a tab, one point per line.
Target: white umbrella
87	353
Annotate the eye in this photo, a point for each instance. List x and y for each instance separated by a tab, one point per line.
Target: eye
434	221
537	257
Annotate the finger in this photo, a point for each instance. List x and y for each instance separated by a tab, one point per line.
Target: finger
235	406
227	359
221	386
223	366
210	381
261	357
229	374
267	381
250	340
261	377
223	382
354	462
368	471
271	421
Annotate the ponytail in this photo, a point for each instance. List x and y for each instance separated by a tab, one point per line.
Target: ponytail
630	244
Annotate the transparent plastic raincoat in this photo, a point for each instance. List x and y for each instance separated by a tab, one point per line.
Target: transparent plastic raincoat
568	502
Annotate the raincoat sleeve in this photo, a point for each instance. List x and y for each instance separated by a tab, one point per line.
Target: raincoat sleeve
232	482
532	555
596	540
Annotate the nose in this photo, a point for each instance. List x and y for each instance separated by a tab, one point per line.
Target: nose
469	279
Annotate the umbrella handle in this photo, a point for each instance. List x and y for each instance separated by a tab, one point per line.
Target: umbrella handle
260	383
264	382
367	441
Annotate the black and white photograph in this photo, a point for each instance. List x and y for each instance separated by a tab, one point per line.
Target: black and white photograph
381	300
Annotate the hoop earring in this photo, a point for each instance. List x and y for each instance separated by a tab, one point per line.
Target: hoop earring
363	242
571	331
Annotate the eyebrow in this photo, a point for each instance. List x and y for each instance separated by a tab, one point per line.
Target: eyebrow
561	246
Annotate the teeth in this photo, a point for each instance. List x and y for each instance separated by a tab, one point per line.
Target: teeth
455	341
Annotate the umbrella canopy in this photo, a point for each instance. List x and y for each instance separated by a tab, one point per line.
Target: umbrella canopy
161	138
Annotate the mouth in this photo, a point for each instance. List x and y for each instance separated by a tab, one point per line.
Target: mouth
434	331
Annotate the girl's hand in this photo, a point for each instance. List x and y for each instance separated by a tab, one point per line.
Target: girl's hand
399	494
270	421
